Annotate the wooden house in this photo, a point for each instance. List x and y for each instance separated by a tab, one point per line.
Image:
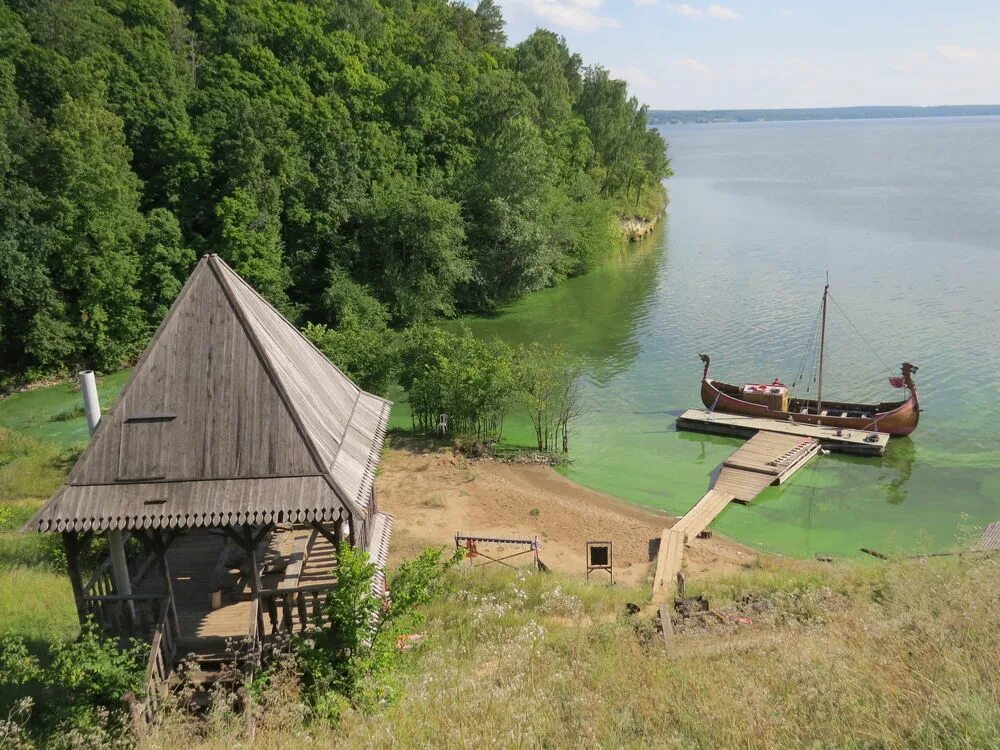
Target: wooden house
235	459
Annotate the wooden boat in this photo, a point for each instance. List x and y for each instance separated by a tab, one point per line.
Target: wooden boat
773	401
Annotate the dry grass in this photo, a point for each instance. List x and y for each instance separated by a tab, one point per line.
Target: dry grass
899	655
433	501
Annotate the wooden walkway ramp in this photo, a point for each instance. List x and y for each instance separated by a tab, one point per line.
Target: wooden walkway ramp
990	539
765	459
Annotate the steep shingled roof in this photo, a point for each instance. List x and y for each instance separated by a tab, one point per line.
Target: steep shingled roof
230	416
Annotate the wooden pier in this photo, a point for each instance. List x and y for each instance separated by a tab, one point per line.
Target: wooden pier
860	442
766	458
990	539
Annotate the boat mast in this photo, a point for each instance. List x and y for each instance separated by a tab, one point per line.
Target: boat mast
822	345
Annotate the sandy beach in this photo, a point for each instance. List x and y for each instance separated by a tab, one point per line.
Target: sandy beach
433	493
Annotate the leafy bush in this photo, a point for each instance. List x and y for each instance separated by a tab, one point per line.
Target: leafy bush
470	380
363	354
84	682
355	655
549	386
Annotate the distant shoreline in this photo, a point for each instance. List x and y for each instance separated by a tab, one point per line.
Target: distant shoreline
685	116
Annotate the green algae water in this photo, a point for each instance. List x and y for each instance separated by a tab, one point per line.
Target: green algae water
904	216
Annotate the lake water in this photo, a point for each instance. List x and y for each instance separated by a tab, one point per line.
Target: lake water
905	215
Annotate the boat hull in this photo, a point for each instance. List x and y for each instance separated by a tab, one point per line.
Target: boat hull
895	418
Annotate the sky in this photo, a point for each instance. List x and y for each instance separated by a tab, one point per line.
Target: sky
739	54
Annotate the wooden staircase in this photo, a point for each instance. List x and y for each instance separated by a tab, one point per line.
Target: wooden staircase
320	560
215	667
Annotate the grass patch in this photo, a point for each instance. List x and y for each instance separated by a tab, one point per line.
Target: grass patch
29	468
893	656
434	501
900	656
36	604
31	550
15	513
651	203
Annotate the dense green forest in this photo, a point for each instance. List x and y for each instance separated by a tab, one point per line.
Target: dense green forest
388	160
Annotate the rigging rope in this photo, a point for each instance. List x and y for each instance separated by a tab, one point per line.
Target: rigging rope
812	372
837	305
811	341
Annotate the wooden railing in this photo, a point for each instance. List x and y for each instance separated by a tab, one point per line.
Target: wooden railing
131	616
159	667
162	652
101	583
135	616
293	610
252	652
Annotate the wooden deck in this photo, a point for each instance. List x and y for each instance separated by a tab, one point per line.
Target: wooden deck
766	458
859	442
194	555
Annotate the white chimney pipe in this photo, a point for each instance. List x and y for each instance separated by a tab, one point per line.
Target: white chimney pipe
116	544
91	403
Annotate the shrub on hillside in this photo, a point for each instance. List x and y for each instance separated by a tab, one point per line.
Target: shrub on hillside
83	682
355	654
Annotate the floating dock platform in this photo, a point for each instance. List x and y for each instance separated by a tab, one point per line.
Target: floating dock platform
775	450
858	442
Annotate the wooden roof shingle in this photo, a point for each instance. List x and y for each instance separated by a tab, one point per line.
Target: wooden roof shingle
230	413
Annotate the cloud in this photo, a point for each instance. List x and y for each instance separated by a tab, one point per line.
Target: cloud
714	12
688	11
645	2
579	15
955	53
690	65
799	66
723	14
636	77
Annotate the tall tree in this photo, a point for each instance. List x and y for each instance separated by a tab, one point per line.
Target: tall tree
93	207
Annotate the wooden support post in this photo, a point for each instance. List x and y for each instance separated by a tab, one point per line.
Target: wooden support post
134	709
160	549
71	542
333	538
245	705
119	568
338	532
666	624
250	545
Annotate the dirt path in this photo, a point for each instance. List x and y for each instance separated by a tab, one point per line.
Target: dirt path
433	494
